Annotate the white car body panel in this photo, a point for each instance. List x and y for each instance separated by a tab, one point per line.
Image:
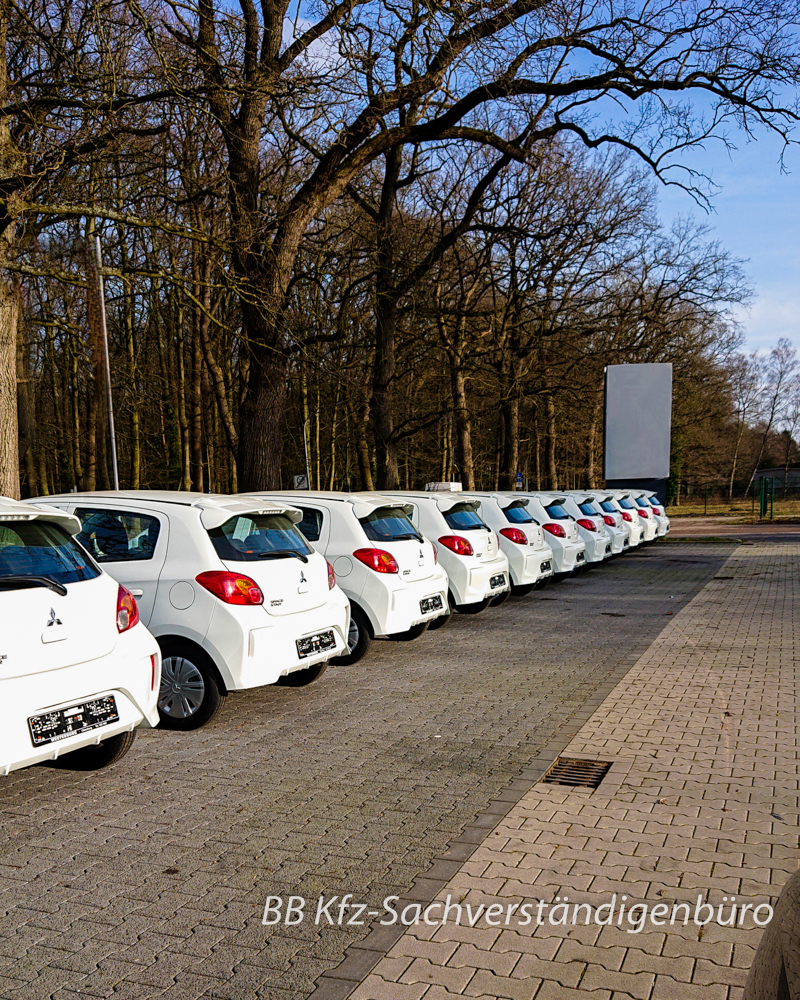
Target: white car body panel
607	540
250	646
470	577
569	553
391	601
527	563
62	651
646	517
626	534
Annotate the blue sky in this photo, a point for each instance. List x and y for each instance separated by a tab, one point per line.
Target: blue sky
757	218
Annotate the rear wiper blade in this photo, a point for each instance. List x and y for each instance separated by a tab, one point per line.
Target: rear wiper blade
282	554
403	538
43	581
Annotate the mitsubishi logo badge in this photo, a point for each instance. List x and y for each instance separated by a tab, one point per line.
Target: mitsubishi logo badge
53	620
302	577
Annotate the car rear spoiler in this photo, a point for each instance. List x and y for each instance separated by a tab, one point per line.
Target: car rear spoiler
214	512
364	506
15	511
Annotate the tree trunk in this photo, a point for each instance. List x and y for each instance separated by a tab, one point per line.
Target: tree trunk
463	426
550	472
9	434
510	460
196	403
361	421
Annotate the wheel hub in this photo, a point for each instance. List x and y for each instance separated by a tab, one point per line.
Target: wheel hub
182	688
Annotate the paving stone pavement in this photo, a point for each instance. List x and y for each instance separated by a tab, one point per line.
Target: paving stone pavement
701	801
149	879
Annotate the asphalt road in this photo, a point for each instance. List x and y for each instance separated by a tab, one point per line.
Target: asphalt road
150	879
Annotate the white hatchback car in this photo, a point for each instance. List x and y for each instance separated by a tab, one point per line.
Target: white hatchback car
384	565
660	513
468	549
79	672
629	504
597	536
230	588
615	516
530	558
561	532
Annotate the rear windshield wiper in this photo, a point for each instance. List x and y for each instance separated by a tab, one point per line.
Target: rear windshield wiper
403	538
282	554
43	581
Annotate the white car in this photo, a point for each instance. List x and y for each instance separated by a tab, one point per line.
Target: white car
660	513
561	532
627	501
615	516
530	558
79	670
230	588
386	568
605	538
468	549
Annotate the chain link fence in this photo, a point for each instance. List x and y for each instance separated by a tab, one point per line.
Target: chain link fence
773	494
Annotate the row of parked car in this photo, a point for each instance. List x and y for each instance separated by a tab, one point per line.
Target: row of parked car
130	608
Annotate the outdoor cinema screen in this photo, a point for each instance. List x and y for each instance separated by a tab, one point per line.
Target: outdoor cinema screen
637	421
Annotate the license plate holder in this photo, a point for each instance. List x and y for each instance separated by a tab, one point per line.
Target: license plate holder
319	643
429	604
497	581
545	566
50	727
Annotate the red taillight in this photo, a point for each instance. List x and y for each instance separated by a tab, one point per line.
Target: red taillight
377	559
644	514
584	522
232	588
435	555
515	535
153	661
127	612
626	516
331	576
555	529
609	521
657	510
456	544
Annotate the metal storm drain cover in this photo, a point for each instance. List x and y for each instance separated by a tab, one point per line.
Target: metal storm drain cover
578	773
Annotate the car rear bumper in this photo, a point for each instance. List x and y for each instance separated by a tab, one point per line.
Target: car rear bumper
475	585
393	605
127	673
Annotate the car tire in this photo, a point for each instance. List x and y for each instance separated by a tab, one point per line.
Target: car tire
359	638
302	678
541	584
468	609
410	633
201	694
439	621
522	589
496	602
98	755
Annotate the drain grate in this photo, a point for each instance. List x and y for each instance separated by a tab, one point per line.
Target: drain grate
578	773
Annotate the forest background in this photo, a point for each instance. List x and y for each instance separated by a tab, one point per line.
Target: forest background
405	237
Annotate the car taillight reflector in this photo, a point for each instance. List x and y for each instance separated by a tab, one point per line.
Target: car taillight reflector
456	544
610	521
626	516
127	611
232	588
584	522
153	661
331	576
377	559
515	535
555	529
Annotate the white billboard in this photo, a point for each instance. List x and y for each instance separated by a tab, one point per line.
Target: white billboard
638	420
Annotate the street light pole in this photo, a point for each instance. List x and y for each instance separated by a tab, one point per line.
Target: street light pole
109	398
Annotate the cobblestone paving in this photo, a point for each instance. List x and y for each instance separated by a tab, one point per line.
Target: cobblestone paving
702	800
149	879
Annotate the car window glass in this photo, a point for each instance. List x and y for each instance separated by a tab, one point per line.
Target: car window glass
41	548
588	508
626	504
557	512
117	535
311	525
249	537
642	503
463	517
517	514
608	506
389	524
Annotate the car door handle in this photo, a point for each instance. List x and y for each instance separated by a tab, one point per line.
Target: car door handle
138	593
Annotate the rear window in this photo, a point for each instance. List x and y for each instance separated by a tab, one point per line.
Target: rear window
311	525
588	508
608	506
517	514
557	512
642	503
249	537
117	535
389	524
626	504
39	548
463	517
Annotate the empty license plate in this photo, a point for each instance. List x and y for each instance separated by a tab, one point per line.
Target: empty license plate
545	567
315	644
581	557
497	581
64	722
428	604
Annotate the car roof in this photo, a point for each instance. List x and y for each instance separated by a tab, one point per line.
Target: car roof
362	503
